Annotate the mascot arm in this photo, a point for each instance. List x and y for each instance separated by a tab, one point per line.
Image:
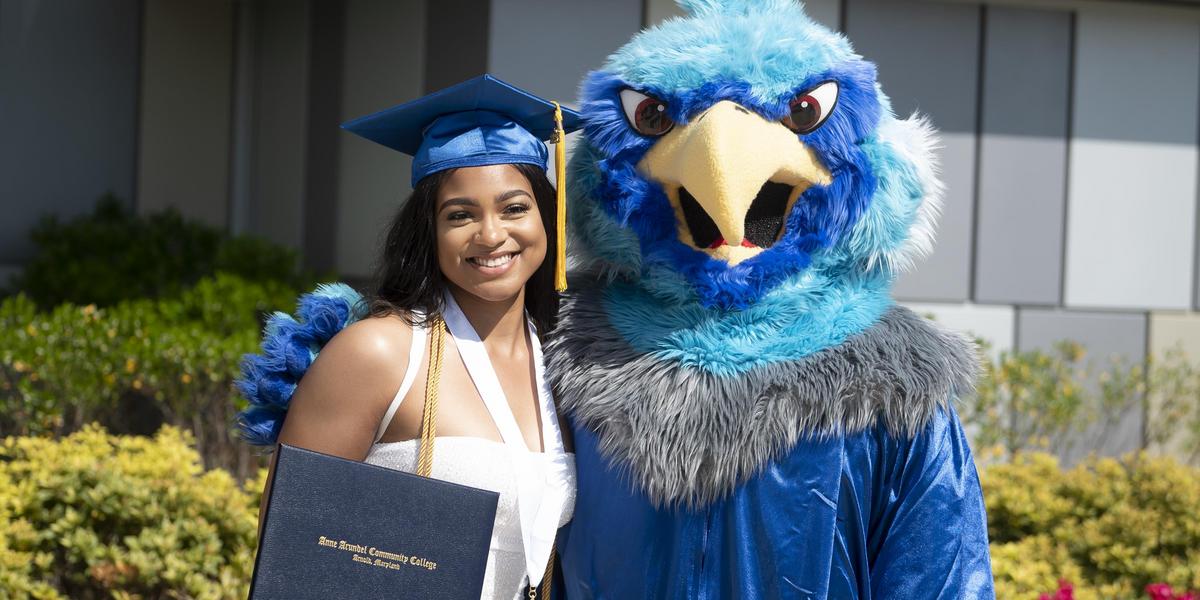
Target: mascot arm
930	526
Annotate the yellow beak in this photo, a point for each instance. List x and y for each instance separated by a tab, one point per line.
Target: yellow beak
722	160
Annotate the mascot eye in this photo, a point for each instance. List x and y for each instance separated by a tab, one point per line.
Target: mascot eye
811	108
647	115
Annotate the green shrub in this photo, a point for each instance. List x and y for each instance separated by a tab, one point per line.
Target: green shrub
1026	399
1112	527
114	255
1173	410
99	516
1042	400
74	365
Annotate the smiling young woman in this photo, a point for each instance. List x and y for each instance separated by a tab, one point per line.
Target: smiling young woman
469	252
479	234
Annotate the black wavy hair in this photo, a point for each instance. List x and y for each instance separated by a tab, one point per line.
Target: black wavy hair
408	281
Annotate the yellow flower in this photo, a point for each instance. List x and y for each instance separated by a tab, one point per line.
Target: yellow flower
130	365
185	378
89	309
137	384
31	330
20	367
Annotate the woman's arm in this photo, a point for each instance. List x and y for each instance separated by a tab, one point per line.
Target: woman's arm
341	399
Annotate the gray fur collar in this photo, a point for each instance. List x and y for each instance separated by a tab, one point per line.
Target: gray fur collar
688	437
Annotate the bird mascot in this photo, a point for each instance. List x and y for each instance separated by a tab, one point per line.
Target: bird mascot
753	415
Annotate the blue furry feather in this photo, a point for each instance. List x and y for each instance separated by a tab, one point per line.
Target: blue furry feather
289	346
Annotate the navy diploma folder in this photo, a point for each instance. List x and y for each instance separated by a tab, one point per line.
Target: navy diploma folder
336	528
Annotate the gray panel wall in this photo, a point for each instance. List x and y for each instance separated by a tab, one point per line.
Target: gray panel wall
68	111
382	66
552	62
1132	199
456	42
281	61
325	81
928	58
659	10
1022	157
186	108
827	12
1105	336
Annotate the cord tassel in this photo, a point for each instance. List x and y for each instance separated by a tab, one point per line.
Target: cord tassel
560	178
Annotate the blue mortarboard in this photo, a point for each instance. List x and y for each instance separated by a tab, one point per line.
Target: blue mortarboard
481	121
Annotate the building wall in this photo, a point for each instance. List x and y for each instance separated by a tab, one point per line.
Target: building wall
554	61
1021	210
187	59
928	59
382	67
277	83
827	12
1066	217
68	112
1132	192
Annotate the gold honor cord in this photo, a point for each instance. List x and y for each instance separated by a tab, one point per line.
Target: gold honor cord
560	178
437	343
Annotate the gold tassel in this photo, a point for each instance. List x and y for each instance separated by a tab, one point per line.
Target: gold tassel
560	176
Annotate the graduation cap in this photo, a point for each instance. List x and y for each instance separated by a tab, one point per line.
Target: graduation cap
481	121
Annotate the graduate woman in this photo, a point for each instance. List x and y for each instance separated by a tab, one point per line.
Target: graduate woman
469	264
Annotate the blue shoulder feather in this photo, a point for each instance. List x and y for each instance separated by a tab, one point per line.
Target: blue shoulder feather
289	346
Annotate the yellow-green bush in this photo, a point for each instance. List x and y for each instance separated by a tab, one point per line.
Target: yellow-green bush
1040	400
102	516
1110	526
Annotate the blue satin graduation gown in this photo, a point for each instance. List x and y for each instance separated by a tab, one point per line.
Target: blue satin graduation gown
859	517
